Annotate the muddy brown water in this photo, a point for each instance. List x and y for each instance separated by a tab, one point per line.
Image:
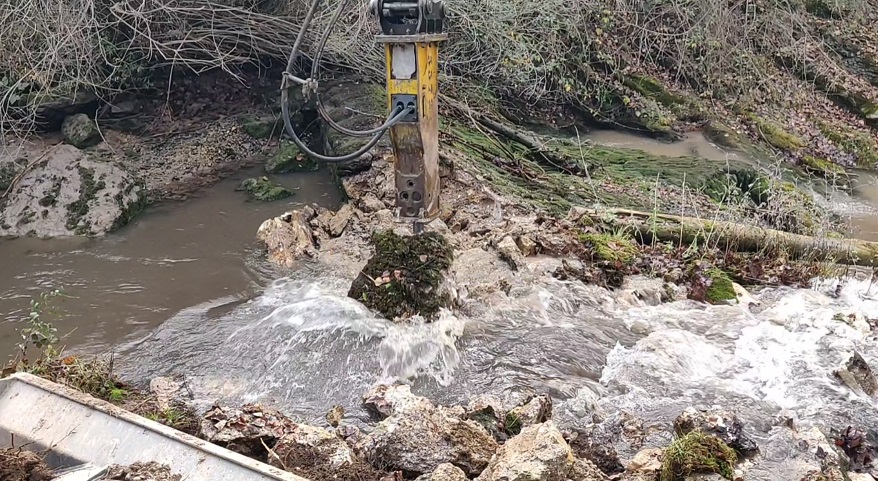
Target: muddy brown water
176	255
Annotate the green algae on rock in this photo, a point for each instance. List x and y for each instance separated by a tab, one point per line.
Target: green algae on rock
612	248
288	158
402	278
80	131
721	288
263	189
697	452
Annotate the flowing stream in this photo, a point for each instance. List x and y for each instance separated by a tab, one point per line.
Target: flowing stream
180	293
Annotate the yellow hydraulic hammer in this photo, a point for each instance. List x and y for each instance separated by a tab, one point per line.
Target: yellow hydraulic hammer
411	34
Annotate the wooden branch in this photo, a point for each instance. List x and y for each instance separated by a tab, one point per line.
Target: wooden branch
745	238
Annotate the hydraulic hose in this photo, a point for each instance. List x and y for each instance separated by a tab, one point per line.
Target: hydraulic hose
395	116
315	67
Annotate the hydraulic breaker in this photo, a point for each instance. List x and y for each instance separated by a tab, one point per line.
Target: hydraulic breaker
411	34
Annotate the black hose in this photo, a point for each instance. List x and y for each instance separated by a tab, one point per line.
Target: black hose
376	133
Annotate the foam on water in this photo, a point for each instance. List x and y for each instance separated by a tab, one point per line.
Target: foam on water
303	345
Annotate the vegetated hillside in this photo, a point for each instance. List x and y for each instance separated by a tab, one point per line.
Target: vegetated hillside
793	78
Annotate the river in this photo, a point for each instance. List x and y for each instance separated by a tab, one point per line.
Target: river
181	292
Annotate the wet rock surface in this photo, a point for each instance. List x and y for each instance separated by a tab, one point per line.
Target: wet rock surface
723	424
858	375
539	452
417	436
247	429
69	192
288	237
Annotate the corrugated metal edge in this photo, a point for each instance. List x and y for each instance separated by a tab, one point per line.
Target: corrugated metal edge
114	411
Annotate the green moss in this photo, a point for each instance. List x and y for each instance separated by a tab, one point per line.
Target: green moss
822	167
132	209
653	88
610	247
402	278
695	453
777	137
288	158
77	209
721	288
861	145
8	170
263	189
262	127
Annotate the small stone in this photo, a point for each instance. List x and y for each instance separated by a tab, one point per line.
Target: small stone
527	246
335	415
509	252
340	220
646	460
80	131
371	203
444	472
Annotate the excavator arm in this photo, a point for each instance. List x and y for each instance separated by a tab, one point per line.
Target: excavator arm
411	32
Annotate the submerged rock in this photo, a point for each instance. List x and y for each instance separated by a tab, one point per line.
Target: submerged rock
288	238
858	376
724	425
263	189
538	453
80	131
403	276
70	193
417	436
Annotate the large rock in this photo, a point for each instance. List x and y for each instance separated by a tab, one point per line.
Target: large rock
722	424
417	436
80	131
70	193
539	453
247	429
288	238
319	442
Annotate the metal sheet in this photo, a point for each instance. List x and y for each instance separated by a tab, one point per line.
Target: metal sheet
77	428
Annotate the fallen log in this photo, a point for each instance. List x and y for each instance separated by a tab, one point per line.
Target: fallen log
649	226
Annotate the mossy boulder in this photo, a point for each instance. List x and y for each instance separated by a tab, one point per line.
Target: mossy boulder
263	189
289	158
612	248
80	131
262	127
71	192
402	278
695	453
